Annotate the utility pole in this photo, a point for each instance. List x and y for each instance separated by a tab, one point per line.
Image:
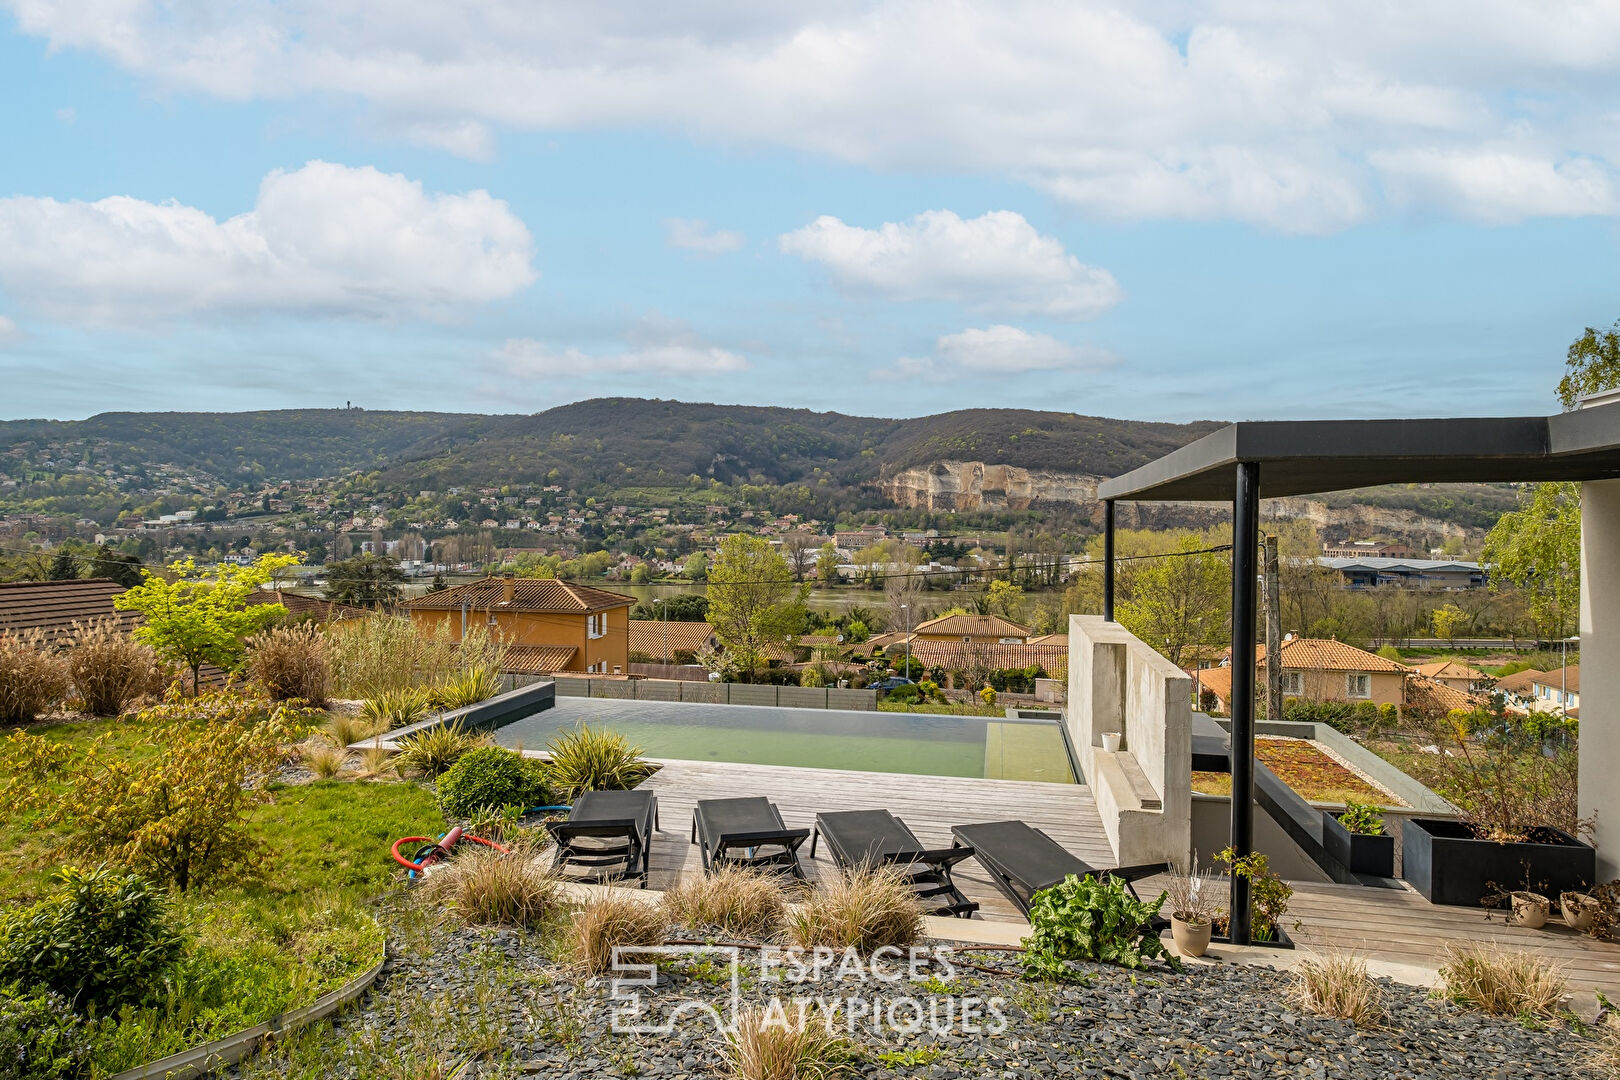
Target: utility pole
1274	694
907	609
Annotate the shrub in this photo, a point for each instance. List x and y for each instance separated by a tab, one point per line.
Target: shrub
762	1047
323	758
466	688
490	776
291	662
32	677
178	814
609	920
593	760
1361	819
1268	893
390	653
346	730
1501	982
736	899
389	709
860	909
40	1036
811	677
905	694
109	668
432	751
1090	919
485	887
1512	773
1338	985
102	941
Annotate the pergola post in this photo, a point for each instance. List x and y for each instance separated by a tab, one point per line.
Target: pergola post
1245	549
1108	559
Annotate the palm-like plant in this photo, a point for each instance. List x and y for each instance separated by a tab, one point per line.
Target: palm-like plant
593	760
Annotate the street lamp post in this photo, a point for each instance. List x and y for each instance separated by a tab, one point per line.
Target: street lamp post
663	607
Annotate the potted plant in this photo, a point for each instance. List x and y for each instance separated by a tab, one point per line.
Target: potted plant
1268	899
1515	779
1110	741
1194	904
1356	837
1580	910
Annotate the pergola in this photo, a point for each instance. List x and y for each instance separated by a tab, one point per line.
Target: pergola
1246	462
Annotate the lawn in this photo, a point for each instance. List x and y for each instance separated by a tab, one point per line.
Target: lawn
1306	768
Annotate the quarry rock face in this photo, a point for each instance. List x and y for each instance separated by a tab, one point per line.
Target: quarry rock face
973	485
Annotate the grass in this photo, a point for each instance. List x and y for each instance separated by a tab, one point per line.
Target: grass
763	1048
947	708
1301	765
735	899
609	920
1338	985
483	887
1502	982
863	909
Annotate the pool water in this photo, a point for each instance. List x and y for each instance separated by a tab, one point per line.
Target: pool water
930	745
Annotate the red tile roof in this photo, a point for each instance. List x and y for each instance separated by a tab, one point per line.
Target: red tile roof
972	625
1329	654
528	594
1519	682
537	659
1449	669
54	606
1434	696
1569	678
966	655
300	606
647	636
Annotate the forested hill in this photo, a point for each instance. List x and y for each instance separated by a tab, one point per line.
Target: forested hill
617	442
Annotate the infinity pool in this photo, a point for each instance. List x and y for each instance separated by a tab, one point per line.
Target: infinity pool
814	738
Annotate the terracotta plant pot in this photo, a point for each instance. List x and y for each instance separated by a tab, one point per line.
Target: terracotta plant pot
1529	910
1191	938
1110	741
1580	910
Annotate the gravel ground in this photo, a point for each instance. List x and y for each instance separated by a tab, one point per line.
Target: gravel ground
494	998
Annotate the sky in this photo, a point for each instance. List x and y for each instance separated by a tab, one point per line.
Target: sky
1234	209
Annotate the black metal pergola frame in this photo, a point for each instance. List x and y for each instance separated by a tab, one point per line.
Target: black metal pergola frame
1249	461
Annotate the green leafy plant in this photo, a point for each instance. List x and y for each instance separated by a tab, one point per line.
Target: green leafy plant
389	709
102	941
1362	819
1268	893
1090	919
466	688
432	751
40	1037
491	776
589	759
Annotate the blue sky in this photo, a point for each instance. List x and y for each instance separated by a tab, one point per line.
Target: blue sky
1167	211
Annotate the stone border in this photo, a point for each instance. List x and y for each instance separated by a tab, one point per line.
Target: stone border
202	1060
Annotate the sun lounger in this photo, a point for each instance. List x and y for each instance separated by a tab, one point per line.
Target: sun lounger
746	832
607	837
874	838
1023	860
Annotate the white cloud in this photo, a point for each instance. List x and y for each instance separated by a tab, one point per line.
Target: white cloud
324	238
692	234
996	262
999	350
1500	186
1266	111
655	347
9	332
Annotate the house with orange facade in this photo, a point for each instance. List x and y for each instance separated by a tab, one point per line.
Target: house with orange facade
547	625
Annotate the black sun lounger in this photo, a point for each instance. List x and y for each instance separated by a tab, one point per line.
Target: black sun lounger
746	832
871	838
1023	860
607	837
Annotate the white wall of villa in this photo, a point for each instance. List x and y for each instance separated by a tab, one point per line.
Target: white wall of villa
1600	668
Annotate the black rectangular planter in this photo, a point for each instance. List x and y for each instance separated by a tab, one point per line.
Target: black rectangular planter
1370	855
1283	940
1445	862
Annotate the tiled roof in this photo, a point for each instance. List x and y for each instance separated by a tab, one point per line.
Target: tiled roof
1328	654
1215	679
537	659
965	655
1449	669
300	606
1519	682
647	636
972	625
54	606
528	594
882	641
1569	678
1431	695
1050	639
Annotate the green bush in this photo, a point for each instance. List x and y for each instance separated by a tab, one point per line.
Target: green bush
1362	819
592	760
907	694
1088	919
103	941
40	1037
433	750
491	776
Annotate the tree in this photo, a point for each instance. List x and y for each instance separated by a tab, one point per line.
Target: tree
195	618
121	568
1448	619
1180	600
364	579
696	567
753	601
799	548
64	567
1592	364
827	565
1537	549
438	583
1005	599
902	585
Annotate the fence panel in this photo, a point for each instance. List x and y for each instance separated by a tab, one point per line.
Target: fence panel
860	700
749	694
708	693
657	689
571	687
802	697
621	689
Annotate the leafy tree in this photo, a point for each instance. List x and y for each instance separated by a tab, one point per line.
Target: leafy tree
365	579
696	567
123	569
1448	619
1592	364
64	567
1180	600
1537	549
195	617
753	600
1005	599
438	584
827	564
682	607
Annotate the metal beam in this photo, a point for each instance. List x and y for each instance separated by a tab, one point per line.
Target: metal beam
1245	548
1108	560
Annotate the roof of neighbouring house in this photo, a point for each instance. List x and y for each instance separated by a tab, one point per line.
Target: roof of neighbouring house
972	626
1329	654
882	641
647	636
967	655
1423	692
1050	639
537	659
1217	680
1519	682
300	606
1569	678
528	594
54	606
1415	566
1450	669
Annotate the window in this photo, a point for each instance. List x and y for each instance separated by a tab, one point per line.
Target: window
1293	683
1358	684
596	625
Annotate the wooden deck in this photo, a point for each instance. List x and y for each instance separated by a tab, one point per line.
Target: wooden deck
1396	926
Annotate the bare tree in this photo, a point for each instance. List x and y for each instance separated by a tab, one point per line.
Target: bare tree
800	549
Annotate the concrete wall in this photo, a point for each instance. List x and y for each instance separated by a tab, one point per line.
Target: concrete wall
1600	667
1144	791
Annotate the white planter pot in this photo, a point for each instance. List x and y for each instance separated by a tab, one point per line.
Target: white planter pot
1111	741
